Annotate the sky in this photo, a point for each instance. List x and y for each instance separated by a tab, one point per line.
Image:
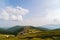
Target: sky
29	12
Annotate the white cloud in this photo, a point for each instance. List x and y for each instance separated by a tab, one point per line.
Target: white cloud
13	13
52	14
4	15
19	17
13	17
53	11
18	10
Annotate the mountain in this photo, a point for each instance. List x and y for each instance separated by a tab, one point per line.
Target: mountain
41	28
33	32
52	26
16	29
3	31
29	32
57	29
12	30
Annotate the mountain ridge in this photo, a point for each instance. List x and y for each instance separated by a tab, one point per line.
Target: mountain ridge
16	29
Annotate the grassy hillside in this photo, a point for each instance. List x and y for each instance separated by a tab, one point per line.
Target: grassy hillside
29	33
16	29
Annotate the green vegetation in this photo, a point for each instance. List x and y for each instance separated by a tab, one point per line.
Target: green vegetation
29	33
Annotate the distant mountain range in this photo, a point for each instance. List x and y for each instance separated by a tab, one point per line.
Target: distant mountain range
29	32
52	26
16	29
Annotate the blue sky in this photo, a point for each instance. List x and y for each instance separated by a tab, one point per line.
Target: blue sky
29	12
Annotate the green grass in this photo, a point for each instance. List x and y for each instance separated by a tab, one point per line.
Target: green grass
33	34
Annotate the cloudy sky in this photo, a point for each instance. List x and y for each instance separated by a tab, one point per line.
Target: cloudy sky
29	12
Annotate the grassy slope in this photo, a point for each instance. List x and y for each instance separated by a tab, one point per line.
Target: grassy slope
32	33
